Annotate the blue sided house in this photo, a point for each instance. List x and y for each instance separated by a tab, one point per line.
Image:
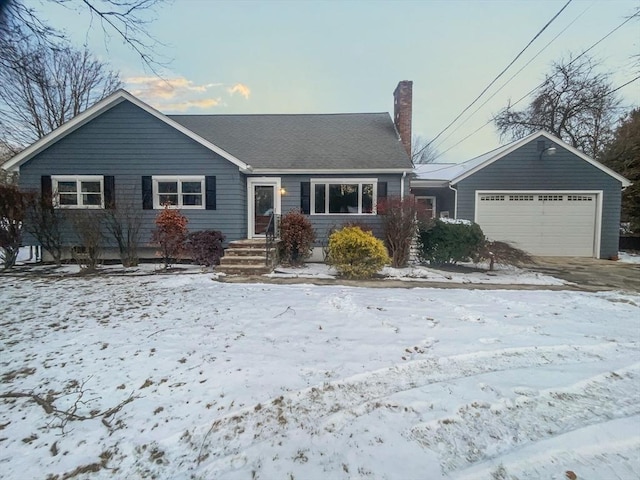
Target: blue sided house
233	172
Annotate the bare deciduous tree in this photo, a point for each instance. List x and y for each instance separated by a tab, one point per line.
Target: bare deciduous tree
43	88
422	151
124	19
575	103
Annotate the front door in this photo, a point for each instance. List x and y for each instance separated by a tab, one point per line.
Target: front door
263	201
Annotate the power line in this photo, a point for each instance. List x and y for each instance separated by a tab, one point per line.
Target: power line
498	76
541	84
580	55
491	120
513	76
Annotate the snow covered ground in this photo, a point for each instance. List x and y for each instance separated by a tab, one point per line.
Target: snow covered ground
182	377
503	274
629	257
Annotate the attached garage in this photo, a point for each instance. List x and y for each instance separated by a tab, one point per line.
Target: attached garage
538	193
551	223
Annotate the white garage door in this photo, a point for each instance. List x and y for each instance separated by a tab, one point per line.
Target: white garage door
549	223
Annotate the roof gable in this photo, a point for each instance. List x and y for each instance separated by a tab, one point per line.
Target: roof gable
476	164
97	110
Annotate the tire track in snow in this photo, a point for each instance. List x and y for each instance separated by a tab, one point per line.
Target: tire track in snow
340	401
605	450
481	431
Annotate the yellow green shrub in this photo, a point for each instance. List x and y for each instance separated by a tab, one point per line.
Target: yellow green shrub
356	254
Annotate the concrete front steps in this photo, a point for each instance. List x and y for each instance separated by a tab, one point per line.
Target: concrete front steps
247	257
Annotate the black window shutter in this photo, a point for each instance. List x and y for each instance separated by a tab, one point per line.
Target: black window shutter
305	197
210	191
147	193
45	188
109	191
382	191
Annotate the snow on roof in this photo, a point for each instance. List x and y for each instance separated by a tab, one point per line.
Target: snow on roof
449	171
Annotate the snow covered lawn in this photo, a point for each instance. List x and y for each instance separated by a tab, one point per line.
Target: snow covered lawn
181	377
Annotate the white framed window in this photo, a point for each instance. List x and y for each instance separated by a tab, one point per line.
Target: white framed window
343	196
185	192
78	191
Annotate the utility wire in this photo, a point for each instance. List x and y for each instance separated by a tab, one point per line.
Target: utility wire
513	76
496	78
526	95
491	120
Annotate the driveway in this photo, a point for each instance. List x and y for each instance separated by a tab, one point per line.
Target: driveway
590	273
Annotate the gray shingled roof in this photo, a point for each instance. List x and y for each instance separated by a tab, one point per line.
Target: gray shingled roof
319	141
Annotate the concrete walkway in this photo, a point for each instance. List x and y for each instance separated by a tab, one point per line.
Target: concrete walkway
584	274
591	274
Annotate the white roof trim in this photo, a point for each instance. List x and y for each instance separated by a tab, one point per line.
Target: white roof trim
429	183
328	171
96	110
518	143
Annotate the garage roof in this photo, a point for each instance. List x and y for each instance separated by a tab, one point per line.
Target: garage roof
452	173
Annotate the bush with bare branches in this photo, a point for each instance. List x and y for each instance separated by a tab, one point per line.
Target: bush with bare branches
502	253
89	229
13	209
46	224
401	217
123	221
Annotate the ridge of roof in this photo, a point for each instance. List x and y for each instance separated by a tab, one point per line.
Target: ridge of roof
194	115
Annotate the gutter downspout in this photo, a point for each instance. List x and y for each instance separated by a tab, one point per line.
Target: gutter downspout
455	201
404	174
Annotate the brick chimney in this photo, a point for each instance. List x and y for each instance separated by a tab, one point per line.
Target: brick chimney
402	99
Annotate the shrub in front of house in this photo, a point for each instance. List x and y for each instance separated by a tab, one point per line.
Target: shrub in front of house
205	247
401	217
356	254
88	227
503	253
296	238
170	234
13	210
449	241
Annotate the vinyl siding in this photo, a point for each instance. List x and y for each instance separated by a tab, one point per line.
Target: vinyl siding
324	223
445	198
128	143
523	169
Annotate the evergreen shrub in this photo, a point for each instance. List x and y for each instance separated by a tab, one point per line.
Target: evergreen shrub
356	254
452	241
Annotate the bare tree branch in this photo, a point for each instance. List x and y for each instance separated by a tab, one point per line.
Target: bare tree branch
422	150
575	103
44	88
126	19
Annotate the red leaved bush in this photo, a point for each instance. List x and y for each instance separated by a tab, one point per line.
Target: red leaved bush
205	247
400	220
296	238
170	234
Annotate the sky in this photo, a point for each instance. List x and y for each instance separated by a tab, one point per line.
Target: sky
258	57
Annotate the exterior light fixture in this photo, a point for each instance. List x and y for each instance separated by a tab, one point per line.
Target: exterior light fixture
283	191
542	149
